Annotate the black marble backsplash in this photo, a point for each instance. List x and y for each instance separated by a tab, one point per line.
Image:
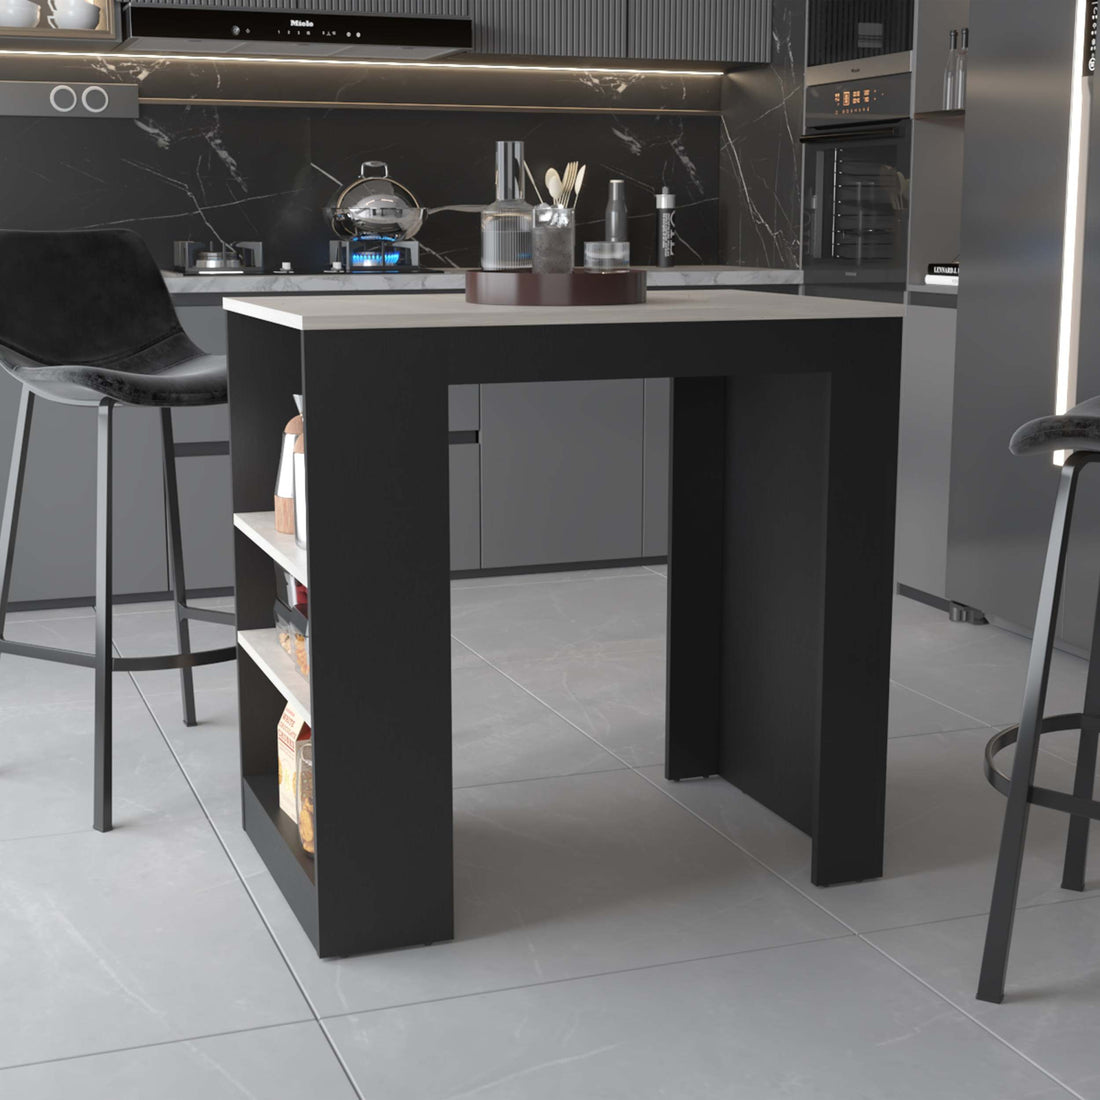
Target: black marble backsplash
228	173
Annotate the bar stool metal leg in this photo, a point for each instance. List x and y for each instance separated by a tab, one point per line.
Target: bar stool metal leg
1006	886
1077	845
104	653
175	562
13	499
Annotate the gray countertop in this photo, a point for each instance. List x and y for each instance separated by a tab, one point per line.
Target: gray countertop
319	313
184	285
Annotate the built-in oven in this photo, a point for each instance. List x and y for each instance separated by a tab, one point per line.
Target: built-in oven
858	143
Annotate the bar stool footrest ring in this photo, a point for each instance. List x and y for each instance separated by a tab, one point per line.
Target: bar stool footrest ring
1042	796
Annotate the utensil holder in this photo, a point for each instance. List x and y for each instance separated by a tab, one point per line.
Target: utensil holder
554	240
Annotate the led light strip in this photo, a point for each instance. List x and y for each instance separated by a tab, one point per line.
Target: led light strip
1069	317
361	63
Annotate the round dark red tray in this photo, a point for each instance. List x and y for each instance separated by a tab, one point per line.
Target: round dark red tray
578	288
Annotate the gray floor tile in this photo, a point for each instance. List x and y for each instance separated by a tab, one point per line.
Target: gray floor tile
823	1021
28	682
943	824
278	1063
660	570
1051	1010
593	651
209	754
978	670
501	733
557	878
138	936
911	712
46	767
531	621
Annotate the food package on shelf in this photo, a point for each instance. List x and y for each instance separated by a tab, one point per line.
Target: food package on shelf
292	729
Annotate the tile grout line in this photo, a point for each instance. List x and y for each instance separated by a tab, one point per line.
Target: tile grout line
595	976
978	723
159	1043
788	882
251	897
970	1016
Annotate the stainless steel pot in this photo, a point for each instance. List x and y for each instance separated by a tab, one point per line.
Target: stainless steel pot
376	206
379	206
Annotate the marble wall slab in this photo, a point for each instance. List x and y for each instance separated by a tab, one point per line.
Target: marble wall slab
761	157
227	173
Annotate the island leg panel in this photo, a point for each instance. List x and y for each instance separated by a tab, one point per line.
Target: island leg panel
379	542
850	785
787	557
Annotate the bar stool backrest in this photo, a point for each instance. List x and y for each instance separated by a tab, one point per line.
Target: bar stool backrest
85	297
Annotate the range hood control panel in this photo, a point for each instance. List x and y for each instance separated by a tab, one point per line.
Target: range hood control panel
281	33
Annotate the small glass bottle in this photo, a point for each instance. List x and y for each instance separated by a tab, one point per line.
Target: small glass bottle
615	216
960	71
950	73
506	224
307	813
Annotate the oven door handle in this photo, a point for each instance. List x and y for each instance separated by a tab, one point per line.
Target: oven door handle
851	135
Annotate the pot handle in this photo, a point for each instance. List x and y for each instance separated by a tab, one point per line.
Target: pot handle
374	164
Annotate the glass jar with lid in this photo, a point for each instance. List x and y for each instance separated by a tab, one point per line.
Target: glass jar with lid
307	813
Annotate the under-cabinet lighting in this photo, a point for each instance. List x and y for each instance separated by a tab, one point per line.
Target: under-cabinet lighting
362	63
1069	316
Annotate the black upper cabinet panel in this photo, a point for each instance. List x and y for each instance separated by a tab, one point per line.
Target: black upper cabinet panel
847	30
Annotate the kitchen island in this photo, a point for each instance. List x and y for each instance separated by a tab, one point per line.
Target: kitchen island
783	468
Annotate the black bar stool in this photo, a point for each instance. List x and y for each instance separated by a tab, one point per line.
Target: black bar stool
1077	431
120	343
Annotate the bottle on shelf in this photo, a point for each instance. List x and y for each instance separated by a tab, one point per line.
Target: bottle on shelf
950	73
960	71
507	223
615	216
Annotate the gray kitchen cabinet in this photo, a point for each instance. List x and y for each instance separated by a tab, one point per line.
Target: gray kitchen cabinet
465	506
567	28
924	448
55	548
658	401
561	472
699	30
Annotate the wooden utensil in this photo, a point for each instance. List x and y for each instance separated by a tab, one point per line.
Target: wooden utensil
579	184
553	184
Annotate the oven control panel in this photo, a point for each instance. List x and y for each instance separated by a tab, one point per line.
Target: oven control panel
858	102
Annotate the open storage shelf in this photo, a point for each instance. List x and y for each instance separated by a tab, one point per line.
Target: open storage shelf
259	527
281	669
383	873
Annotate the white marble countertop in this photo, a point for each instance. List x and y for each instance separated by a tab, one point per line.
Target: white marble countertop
319	313
452	280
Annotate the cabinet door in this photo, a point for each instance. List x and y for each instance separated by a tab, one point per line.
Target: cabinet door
465	506
699	30
566	28
658	402
561	472
924	448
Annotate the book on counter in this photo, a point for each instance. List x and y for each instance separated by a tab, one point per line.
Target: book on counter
943	274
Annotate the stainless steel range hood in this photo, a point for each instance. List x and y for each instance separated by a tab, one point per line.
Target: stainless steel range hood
209	31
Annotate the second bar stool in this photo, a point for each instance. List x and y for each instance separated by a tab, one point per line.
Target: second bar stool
1078	431
119	343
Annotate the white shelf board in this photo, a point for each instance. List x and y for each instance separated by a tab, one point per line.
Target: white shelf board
260	528
272	660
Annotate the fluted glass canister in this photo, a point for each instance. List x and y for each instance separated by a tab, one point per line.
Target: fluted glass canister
506	224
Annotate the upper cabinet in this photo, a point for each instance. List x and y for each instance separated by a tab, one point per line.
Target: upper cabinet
699	30
564	28
721	31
